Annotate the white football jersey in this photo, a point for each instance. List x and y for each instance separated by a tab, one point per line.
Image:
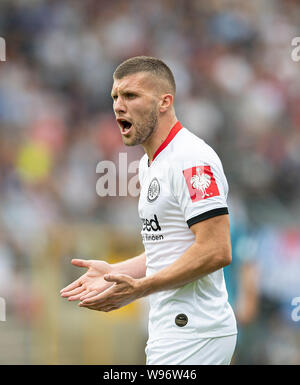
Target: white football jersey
184	184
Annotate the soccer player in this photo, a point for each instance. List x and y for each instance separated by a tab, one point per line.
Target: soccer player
185	228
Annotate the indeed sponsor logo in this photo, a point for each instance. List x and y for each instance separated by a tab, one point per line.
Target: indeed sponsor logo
151	225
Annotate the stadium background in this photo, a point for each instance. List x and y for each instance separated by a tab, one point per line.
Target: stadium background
238	89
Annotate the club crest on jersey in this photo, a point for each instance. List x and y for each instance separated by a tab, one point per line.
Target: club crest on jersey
153	190
201	183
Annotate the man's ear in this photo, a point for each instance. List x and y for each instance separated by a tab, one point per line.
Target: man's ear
165	102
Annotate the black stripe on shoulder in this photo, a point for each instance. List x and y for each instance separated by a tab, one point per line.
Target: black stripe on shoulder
207	215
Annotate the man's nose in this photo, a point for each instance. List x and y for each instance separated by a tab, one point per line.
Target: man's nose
119	105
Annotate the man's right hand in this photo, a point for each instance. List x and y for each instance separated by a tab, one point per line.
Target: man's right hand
90	283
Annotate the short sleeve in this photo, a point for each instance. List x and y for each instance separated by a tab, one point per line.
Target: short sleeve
200	188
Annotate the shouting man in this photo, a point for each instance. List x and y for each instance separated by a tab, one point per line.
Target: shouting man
185	228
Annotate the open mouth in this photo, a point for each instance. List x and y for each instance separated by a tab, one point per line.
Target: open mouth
125	126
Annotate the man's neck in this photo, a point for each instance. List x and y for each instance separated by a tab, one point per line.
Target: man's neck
158	137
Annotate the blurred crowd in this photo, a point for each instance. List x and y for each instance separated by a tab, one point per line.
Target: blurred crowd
237	88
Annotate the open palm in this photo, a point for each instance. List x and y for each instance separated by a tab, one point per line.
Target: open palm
90	283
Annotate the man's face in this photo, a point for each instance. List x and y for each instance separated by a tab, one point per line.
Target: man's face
135	104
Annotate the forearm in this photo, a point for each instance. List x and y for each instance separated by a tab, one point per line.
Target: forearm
134	267
195	263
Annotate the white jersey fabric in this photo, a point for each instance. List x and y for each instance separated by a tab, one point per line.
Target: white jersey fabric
200	351
184	184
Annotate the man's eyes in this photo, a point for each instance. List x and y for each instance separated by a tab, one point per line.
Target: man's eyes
130	95
127	95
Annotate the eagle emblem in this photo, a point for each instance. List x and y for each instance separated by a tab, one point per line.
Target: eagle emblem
201	182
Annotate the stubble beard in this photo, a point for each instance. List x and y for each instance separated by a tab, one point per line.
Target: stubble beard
143	129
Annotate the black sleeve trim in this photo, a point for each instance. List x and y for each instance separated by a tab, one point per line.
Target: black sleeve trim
207	215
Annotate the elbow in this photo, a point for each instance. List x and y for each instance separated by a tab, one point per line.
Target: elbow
224	257
227	259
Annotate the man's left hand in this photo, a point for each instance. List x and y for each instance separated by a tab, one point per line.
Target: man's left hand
124	290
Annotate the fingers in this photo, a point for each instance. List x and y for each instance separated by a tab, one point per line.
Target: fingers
70	287
80	262
70	293
78	296
77	283
118	278
95	300
89	295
